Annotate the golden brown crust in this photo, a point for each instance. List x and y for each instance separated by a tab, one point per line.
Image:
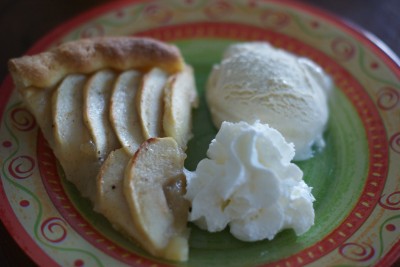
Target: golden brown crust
89	55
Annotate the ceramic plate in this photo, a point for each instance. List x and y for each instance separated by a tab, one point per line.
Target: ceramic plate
355	178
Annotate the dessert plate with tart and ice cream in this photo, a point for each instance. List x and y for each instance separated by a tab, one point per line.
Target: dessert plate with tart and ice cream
112	153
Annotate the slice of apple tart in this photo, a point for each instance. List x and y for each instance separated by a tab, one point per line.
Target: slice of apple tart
117	113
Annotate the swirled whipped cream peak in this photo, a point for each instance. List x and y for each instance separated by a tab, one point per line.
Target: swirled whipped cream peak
249	183
256	81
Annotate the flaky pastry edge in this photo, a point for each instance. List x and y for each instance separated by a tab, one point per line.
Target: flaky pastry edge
85	56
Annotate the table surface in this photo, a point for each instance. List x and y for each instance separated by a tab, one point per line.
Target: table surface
24	22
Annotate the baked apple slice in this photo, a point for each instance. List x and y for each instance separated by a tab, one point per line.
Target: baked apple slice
111	201
154	189
150	102
73	146
180	96
123	114
96	110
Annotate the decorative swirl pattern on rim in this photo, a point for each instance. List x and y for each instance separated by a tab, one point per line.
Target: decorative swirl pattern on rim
388	98
394	142
343	49
21	167
216	10
22	119
357	252
159	14
274	19
54	229
391	201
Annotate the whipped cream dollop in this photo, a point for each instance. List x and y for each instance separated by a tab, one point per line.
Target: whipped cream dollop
256	81
249	183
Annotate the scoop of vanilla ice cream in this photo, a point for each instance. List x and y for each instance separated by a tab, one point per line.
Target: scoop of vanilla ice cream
249	183
256	81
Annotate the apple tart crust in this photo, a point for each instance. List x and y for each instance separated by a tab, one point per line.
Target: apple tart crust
117	113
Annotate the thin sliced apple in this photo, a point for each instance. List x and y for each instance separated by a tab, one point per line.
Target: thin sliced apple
123	114
150	102
180	96
111	201
154	189
38	101
96	110
73	145
67	102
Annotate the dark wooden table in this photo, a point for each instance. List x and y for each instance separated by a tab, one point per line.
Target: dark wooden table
23	22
